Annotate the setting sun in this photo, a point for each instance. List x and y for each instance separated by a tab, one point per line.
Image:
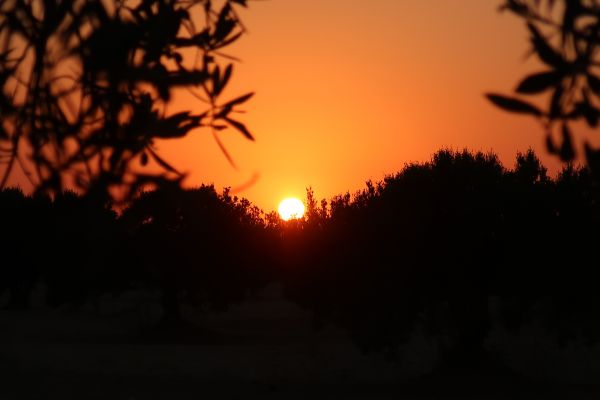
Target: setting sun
291	208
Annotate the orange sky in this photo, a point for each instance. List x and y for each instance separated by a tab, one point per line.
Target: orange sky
351	90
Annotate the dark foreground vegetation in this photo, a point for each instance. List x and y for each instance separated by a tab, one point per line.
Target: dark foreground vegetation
430	246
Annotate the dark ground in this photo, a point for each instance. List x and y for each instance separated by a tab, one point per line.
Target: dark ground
264	349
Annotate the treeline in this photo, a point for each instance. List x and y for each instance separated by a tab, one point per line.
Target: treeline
195	246
436	242
431	245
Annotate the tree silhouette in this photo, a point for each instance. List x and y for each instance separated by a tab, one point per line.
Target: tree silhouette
548	241
428	246
68	243
22	216
208	249
83	240
565	36
85	85
431	244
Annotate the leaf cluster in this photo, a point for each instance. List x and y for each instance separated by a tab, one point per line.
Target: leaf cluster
85	85
565	37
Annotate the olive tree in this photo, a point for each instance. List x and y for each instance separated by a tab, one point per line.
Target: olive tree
85	84
565	37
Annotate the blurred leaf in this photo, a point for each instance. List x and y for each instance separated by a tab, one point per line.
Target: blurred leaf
216	82
238	100
539	82
163	163
240	2
513	105
556	103
177	125
567	153
513	6
226	76
594	83
572	10
224	25
240	127
588	111
550	145
544	50
228	41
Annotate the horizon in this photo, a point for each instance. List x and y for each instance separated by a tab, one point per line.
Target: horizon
337	106
554	176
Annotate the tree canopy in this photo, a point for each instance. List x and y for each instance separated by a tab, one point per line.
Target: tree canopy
430	246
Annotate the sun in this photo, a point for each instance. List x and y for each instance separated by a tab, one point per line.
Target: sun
291	208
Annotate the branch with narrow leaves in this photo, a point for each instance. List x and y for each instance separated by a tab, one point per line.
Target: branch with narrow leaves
121	76
567	43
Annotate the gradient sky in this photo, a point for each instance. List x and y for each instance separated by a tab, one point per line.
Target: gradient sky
351	90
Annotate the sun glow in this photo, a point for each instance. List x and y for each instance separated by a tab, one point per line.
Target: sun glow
291	208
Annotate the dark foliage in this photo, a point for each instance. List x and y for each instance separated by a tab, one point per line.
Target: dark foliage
208	249
196	246
434	243
565	36
69	243
84	87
